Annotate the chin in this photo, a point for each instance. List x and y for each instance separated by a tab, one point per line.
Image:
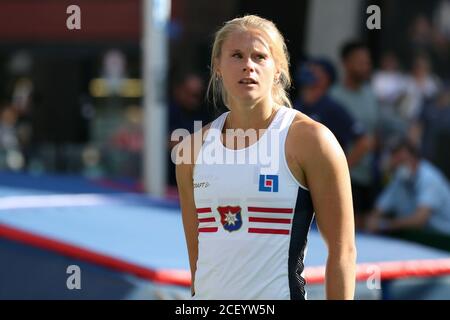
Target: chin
248	99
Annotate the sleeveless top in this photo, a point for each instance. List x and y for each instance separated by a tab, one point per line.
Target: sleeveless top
254	217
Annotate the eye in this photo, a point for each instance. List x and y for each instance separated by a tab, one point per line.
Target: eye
236	55
261	57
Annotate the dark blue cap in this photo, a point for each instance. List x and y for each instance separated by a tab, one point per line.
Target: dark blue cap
305	76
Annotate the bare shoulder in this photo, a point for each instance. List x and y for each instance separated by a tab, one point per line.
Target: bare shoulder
304	127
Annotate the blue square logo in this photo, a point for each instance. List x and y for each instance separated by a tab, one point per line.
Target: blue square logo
268	183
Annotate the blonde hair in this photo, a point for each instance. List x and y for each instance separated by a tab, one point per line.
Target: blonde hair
278	50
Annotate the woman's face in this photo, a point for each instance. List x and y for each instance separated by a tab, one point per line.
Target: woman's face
247	67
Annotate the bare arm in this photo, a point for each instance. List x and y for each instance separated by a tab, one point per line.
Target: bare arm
415	221
327	176
189	215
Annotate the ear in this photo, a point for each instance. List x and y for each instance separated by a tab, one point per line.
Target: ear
217	75
217	66
277	75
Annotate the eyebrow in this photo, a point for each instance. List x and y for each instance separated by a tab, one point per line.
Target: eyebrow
255	50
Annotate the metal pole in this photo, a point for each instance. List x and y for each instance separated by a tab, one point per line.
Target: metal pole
156	14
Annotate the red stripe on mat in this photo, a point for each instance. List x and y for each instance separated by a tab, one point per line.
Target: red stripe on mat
181	278
388	270
212	219
313	275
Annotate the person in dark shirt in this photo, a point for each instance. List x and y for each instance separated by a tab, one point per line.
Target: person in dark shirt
315	78
186	102
185	107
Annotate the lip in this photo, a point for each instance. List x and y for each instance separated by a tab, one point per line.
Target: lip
248	79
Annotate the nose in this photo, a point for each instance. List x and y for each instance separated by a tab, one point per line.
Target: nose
248	66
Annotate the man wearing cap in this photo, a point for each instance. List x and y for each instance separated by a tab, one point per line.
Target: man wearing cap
315	77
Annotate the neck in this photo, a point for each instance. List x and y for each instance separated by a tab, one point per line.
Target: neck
351	83
255	116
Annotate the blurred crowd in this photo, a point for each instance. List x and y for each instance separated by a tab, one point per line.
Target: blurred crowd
393	124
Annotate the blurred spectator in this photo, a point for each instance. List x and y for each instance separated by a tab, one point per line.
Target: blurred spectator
114	70
10	155
129	135
315	77
389	85
421	86
21	94
186	102
389	82
417	198
8	132
185	107
358	98
23	97
127	142
441	21
432	131
430	39
442	18
421	34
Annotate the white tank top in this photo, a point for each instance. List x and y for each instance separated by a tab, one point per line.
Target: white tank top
254	217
